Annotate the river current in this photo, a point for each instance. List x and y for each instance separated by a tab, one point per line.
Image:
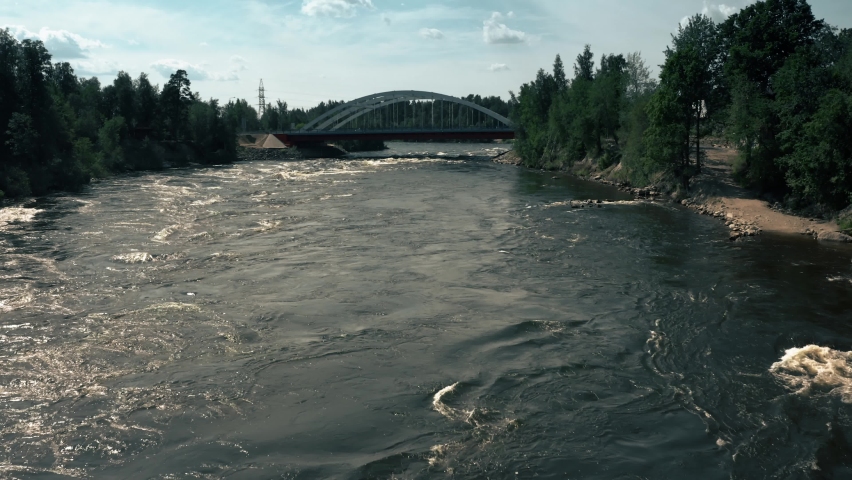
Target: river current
432	317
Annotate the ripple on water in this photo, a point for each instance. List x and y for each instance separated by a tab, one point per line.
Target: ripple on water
91	394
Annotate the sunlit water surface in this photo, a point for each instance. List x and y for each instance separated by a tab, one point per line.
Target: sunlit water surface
439	317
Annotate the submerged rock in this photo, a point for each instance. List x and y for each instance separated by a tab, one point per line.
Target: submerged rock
834	237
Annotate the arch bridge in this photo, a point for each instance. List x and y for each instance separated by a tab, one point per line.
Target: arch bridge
403	115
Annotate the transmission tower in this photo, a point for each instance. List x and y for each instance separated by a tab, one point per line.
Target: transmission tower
261	99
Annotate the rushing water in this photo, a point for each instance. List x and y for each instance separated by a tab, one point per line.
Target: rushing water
420	318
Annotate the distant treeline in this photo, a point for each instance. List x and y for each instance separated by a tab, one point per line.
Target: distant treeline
772	80
58	131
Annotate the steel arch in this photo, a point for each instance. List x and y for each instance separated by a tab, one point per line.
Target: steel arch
345	113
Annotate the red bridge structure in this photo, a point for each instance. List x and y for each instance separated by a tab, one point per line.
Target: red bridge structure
403	115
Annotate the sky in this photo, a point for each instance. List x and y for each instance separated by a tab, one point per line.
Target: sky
307	51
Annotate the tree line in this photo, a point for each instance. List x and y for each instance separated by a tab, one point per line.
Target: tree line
771	79
58	131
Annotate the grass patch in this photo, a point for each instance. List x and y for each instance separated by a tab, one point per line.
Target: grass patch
845	224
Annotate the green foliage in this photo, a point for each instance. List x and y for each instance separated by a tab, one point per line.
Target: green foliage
560	123
175	100
760	37
110	137
771	85
58	131
772	79
638	165
819	169
845	224
14	181
688	80
87	156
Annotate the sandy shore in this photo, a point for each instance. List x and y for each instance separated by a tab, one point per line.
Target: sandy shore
715	193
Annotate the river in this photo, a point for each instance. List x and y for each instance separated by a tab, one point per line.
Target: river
433	317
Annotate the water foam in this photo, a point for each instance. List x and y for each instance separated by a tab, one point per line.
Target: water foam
267	225
439	405
133	257
839	279
172	307
206	202
17	215
163	235
813	370
472	416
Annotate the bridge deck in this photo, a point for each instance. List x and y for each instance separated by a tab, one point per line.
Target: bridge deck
301	137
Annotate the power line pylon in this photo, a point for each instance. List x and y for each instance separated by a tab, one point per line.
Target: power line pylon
261	99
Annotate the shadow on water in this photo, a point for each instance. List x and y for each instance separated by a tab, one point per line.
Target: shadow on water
549	185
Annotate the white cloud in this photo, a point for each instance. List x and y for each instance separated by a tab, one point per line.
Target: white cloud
718	13
168	66
431	33
239	63
334	8
494	32
96	67
499	67
62	44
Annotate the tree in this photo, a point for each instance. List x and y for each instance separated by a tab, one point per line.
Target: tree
758	39
559	74
64	80
9	100
146	104
607	96
175	101
241	116
820	168
668	126
87	106
639	79
275	117
124	98
584	67
813	103
690	77
755	45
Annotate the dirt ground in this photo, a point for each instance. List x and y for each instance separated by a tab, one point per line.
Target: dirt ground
715	191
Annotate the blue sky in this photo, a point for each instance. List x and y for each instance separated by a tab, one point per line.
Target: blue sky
311	50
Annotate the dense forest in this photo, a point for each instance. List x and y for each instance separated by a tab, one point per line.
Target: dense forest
772	80
60	131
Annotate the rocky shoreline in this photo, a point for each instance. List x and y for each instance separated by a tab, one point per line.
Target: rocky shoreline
714	194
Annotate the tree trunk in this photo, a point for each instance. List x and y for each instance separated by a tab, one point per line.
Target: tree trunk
698	139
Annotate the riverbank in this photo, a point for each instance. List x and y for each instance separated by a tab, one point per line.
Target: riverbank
715	193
